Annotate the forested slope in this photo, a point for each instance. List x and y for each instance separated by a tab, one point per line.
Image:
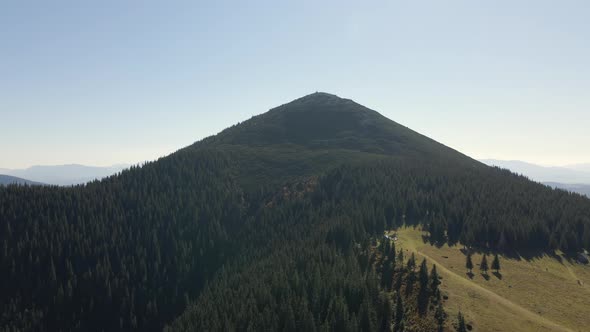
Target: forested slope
240	224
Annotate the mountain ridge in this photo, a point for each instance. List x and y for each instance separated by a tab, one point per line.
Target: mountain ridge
317	132
277	213
66	174
543	173
8	179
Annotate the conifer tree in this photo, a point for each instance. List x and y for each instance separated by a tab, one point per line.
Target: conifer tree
496	263
469	263
423	274
434	280
412	263
439	315
483	266
461	323
366	317
399	314
391	254
387	314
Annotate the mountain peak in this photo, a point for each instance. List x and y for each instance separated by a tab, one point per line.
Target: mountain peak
317	101
319	95
323	121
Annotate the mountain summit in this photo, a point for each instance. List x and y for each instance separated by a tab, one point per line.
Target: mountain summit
317	120
315	133
322	121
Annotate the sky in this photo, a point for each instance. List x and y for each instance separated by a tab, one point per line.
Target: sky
108	82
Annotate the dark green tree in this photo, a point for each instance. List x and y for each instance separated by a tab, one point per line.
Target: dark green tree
461	327
423	274
483	266
367	317
440	317
434	280
411	265
399	314
386	314
469	263
496	263
400	258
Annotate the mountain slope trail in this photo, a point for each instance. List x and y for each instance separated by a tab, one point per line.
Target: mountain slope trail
552	326
534	321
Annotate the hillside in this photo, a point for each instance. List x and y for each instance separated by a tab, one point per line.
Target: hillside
514	299
7	179
278	213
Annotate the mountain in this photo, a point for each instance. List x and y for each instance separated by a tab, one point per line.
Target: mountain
572	178
7	179
543	174
317	132
65	175
583	189
579	167
273	224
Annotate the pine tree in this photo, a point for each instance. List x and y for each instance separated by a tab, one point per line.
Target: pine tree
387	275
391	254
469	263
423	274
461	323
496	263
439	315
366	317
386	314
412	263
484	264
399	314
434	280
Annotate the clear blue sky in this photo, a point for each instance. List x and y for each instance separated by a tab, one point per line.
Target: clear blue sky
105	82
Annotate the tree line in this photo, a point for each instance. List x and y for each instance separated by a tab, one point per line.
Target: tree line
132	252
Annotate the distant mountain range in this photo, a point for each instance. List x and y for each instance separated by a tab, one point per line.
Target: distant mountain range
63	175
574	178
583	189
7	179
580	167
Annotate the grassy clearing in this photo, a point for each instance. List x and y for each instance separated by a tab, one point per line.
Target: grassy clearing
542	294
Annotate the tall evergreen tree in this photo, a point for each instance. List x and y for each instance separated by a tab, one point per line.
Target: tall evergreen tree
400	258
411	265
367	317
399	314
387	314
483	266
461	327
439	315
469	263
496	263
434	280
423	274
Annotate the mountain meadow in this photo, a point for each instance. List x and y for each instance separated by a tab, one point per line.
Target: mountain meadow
318	215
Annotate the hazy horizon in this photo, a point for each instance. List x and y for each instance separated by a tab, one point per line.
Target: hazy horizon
139	162
111	82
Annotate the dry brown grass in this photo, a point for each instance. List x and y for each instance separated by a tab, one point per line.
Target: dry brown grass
541	294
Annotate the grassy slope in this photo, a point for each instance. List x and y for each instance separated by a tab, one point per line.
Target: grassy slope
538	295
